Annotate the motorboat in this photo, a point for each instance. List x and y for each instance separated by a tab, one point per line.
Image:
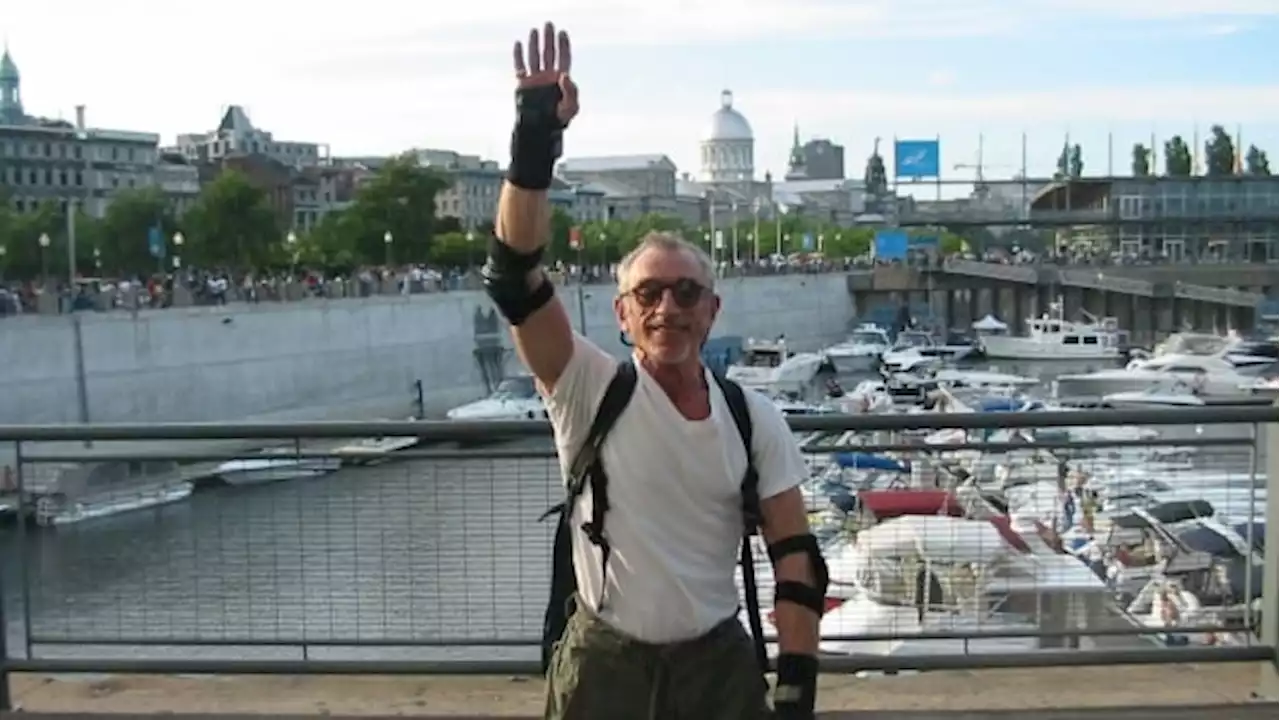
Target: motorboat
771	367
917	574
1202	374
1153	397
862	351
366	451
912	350
274	465
61	494
59	509
515	398
1052	337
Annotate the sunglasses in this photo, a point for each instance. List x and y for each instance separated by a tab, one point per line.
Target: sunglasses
685	292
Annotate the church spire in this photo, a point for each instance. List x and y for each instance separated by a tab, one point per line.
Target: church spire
796	164
10	89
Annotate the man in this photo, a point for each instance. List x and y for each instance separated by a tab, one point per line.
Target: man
655	632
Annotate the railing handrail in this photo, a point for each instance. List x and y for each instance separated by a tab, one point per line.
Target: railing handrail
445	430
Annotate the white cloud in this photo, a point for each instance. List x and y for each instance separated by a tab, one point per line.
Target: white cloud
941	78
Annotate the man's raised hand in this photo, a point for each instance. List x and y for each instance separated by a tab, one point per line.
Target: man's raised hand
546	61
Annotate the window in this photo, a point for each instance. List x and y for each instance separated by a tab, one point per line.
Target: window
1070	340
1130	207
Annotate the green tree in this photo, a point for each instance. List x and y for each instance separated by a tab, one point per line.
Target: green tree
453	250
399	199
124	231
1141	160
232	224
1219	153
1177	157
1256	162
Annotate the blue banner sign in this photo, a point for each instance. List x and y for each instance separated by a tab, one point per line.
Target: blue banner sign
890	245
808	241
917	159
155	243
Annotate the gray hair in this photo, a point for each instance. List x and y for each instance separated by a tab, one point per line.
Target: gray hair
667	242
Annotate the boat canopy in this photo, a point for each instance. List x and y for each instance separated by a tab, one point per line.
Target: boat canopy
864	461
937	539
990	323
1259	537
1165	514
889	504
997	403
1207	540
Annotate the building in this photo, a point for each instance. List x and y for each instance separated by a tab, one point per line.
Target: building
236	135
815	160
179	180
44	160
622	187
472	196
1179	218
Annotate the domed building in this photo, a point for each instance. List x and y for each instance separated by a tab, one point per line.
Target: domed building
728	146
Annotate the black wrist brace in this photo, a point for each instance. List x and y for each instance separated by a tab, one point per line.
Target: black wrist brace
796	692
538	138
506	279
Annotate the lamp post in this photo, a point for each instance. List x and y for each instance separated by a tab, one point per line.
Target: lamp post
387	240
178	240
44	256
471	238
4	252
291	243
97	261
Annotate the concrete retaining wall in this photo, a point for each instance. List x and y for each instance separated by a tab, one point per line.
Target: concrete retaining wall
339	359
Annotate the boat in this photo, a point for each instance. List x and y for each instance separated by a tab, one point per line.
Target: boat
912	350
771	367
916	574
1053	337
515	398
1211	375
1153	397
74	492
862	351
274	465
366	451
55	510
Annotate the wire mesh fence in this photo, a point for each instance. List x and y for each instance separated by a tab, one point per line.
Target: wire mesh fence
946	536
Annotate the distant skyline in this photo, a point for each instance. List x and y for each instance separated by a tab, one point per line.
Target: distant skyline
389	77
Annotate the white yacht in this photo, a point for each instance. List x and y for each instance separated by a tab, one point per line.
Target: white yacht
1053	337
1200	374
861	351
515	398
274	465
913	350
771	367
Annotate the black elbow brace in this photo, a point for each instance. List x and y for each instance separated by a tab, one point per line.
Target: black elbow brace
811	597
506	280
538	138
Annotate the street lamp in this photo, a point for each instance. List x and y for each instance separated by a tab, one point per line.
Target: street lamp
178	240
471	238
291	242
44	255
3	252
387	239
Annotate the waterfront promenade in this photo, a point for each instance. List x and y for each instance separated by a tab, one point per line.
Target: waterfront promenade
1168	692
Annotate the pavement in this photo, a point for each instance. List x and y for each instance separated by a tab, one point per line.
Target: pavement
1169	692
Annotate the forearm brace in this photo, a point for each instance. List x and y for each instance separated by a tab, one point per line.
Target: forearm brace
538	138
812	597
796	692
506	280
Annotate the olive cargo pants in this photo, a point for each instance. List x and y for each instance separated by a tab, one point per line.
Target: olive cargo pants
597	673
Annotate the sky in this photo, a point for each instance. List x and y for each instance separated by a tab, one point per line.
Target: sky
378	77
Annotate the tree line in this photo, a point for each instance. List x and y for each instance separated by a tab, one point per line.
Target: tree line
391	220
1219	159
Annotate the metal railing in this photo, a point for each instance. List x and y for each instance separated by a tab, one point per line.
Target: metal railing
431	559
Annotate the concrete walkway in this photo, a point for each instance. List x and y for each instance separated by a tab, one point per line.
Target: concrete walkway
955	694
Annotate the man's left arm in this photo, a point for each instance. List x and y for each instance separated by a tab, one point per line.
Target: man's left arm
800	573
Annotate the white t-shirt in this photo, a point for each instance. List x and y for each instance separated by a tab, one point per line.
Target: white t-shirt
675	517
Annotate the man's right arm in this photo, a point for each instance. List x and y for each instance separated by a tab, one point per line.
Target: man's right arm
544	340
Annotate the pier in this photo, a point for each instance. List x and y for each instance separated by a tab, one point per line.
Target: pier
433	566
960	291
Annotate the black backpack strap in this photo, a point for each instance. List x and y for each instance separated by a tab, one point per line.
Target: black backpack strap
615	400
735	397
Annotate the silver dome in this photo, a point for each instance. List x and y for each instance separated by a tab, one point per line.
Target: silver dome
727	123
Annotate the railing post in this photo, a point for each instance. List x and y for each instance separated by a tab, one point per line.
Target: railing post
1271	559
6	702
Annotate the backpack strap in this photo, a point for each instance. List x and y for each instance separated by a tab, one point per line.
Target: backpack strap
587	468
615	400
752	519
